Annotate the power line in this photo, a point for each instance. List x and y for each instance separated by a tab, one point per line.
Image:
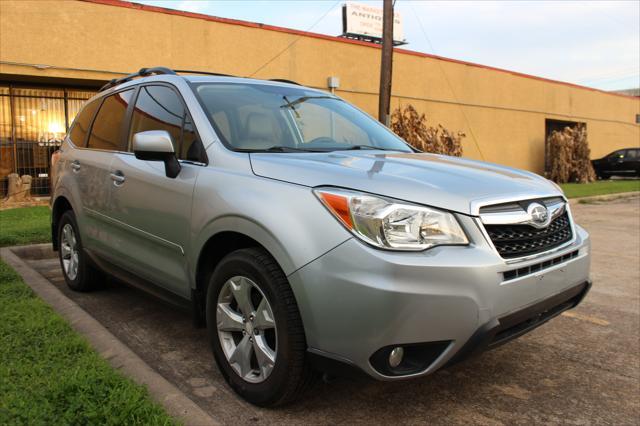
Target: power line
296	40
446	77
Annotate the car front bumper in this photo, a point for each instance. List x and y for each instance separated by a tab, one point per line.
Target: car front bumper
358	302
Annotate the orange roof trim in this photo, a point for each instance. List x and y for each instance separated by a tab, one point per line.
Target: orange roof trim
157	9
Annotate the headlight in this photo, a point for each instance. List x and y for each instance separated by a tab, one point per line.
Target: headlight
392	225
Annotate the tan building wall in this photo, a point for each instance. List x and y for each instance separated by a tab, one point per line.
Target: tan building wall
502	113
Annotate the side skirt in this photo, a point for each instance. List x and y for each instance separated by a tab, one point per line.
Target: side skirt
140	283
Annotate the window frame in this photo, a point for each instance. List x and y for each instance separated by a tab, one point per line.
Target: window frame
129	147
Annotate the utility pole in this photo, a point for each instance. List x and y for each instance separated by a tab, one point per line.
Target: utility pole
386	63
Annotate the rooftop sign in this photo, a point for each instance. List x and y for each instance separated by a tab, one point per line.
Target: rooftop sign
364	22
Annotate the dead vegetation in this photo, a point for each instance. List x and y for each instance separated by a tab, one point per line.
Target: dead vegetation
568	153
411	126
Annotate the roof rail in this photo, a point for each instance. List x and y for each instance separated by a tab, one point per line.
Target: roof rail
281	80
284	80
203	73
142	73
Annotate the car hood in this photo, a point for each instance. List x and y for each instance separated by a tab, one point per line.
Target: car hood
450	183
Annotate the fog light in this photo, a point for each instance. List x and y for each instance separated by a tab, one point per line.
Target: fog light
410	358
395	357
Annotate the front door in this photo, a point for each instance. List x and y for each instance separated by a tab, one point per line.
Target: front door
615	163
153	212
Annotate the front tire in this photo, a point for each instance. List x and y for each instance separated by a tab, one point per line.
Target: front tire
255	329
77	272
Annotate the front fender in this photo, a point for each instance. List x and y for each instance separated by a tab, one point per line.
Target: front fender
286	219
253	230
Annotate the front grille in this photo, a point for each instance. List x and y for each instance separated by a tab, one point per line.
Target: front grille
522	240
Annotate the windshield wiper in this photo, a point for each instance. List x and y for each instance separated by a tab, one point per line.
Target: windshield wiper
292	104
278	148
363	147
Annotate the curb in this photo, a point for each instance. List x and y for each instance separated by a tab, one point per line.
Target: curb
107	345
605	197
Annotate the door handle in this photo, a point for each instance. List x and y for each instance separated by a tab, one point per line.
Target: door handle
75	165
118	178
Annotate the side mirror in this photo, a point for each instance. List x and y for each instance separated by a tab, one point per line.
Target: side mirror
155	145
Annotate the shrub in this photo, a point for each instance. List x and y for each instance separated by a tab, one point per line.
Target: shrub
411	126
569	154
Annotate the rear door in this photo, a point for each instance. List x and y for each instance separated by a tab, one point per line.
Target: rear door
153	212
91	166
632	162
74	158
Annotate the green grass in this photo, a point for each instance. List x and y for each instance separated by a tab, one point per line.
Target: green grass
48	372
50	375
603	187
27	225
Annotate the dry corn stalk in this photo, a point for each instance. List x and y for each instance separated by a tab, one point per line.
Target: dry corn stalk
569	154
413	128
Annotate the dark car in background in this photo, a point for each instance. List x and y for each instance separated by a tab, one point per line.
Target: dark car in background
623	162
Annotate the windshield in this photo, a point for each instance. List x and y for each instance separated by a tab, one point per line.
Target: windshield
261	117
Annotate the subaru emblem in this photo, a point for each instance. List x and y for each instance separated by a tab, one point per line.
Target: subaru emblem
538	214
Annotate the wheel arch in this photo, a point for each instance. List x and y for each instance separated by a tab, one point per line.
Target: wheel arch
59	207
224	239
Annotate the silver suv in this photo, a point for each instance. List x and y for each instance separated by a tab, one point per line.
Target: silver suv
305	235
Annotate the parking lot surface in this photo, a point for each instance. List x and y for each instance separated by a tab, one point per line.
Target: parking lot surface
581	368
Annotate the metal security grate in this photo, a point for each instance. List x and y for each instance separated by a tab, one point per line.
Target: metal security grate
513	241
33	122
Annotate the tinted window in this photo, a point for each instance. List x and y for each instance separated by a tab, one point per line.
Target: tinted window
160	108
82	122
632	154
107	128
617	154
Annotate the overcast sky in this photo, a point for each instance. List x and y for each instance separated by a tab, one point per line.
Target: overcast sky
593	43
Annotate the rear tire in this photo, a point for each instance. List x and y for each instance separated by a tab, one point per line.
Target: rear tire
79	274
246	288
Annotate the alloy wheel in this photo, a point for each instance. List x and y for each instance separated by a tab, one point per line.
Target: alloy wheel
246	329
69	252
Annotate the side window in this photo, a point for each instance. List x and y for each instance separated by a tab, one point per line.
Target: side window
81	124
160	108
107	127
632	154
617	155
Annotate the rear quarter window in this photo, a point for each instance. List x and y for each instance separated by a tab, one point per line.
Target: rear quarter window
80	128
